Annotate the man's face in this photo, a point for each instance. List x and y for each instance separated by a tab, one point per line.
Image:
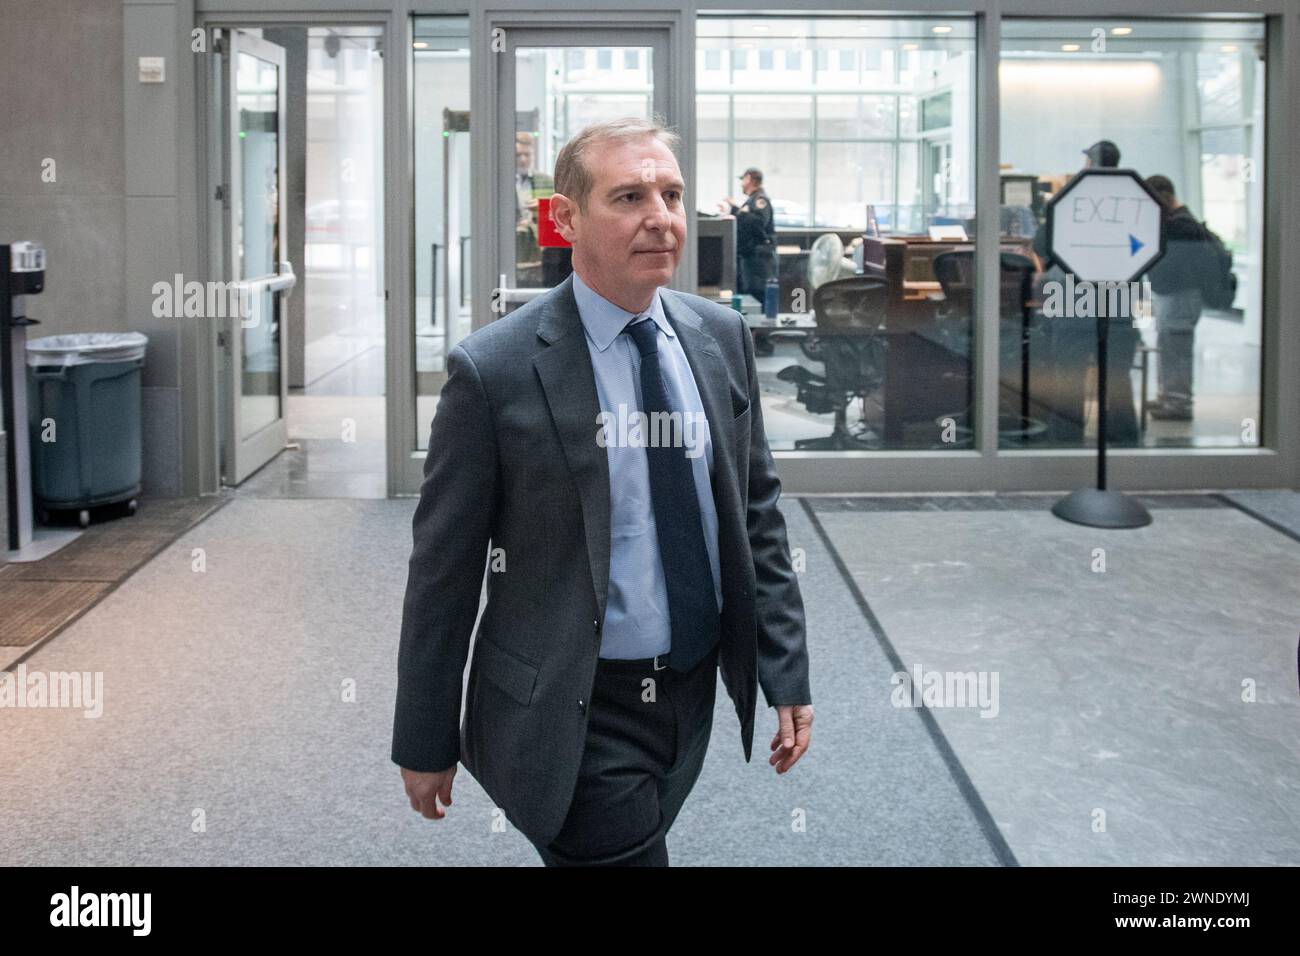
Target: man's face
523	156
631	236
747	184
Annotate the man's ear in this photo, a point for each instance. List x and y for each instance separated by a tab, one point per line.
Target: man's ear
562	210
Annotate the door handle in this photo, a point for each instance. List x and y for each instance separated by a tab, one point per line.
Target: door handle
250	290
286	280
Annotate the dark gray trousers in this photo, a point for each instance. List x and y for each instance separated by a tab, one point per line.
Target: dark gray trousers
647	735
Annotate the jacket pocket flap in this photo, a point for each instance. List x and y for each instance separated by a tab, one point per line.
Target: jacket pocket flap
514	676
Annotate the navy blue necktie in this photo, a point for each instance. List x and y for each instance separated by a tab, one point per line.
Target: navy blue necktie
692	603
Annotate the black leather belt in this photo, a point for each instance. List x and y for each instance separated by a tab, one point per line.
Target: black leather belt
658	662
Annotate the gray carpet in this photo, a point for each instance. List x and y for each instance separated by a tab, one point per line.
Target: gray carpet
225	740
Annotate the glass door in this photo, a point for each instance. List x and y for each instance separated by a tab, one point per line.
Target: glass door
254	387
553	83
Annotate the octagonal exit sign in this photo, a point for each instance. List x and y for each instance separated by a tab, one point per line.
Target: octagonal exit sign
1105	225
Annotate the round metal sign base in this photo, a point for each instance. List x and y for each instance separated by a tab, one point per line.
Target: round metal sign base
1101	509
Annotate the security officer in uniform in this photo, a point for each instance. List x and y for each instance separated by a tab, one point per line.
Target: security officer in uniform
755	234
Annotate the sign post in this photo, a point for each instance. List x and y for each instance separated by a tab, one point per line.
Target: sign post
1104	227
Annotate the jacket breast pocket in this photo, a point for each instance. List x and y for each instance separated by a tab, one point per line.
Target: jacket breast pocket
513	675
740	426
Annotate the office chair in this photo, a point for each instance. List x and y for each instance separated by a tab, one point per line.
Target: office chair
849	337
955	272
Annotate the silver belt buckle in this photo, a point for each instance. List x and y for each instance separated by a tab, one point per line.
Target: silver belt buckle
656	662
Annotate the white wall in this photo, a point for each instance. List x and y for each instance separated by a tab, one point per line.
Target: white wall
1052	108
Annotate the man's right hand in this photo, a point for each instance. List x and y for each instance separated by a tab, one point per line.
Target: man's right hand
425	790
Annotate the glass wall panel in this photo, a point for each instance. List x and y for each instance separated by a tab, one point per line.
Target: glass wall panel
863	131
1181	101
443	182
558	91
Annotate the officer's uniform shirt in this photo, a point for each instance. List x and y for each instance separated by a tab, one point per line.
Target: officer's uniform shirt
755	222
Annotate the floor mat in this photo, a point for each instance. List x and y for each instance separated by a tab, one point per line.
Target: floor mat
41	597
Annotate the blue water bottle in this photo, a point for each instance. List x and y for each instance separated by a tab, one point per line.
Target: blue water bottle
771	297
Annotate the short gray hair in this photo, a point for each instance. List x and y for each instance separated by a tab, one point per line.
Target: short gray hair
574	179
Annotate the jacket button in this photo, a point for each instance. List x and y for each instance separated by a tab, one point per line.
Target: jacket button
596	625
581	706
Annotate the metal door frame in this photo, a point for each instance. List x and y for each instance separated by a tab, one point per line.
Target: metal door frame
245	455
502	247
399	360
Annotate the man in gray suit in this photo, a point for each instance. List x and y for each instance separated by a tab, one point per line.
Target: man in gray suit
601	450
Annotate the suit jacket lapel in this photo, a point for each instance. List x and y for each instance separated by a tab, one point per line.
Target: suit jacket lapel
569	382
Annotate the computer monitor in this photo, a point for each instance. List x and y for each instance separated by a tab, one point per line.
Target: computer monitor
710	261
716	241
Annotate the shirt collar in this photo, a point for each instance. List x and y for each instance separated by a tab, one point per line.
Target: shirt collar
603	320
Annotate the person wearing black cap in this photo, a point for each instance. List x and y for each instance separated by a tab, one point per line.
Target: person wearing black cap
1103	154
755	234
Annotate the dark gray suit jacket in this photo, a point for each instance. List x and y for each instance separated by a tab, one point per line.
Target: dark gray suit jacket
514	464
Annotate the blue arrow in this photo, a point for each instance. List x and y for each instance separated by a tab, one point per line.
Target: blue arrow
1134	244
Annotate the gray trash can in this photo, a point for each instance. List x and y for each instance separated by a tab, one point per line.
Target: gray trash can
84	417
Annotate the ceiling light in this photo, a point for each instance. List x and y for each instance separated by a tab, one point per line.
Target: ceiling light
1228	48
911	46
941	29
1070	47
1120	31
420	45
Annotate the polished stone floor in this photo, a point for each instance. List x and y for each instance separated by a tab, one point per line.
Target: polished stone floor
1147	705
336	426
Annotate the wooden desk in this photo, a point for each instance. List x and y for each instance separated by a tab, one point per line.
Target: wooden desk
921	291
907	262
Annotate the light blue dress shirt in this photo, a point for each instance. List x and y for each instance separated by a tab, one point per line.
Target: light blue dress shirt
636	612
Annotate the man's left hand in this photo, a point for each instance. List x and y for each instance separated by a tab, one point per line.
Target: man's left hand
792	737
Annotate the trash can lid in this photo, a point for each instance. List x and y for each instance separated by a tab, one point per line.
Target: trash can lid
81	348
